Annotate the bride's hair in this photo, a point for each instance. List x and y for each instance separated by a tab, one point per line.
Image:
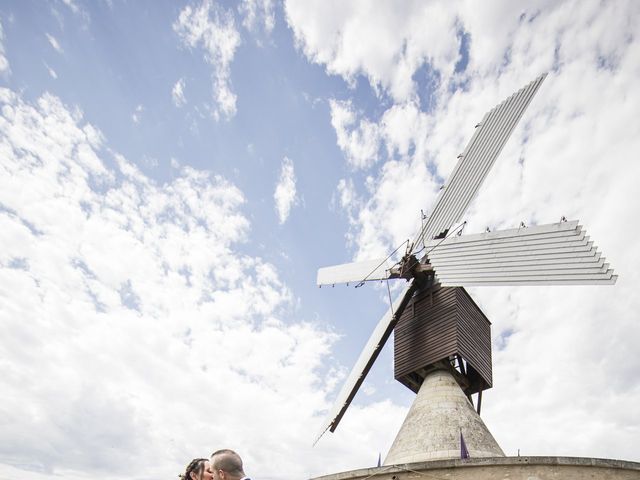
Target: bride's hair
195	466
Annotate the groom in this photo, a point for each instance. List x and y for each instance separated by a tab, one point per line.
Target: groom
227	465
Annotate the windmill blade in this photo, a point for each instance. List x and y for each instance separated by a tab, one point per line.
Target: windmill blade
368	355
377	269
556	231
555	254
560	239
477	159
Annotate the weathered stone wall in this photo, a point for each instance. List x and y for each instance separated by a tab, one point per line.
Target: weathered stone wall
431	430
499	468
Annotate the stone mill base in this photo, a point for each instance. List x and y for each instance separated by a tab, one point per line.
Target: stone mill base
511	468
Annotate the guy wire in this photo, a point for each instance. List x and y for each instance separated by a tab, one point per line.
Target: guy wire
378	266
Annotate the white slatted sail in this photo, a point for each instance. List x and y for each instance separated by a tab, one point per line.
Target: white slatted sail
355	272
477	159
369	354
555	254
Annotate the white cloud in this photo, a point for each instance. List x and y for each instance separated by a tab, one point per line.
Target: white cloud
347	196
211	27
403	185
358	140
258	14
72	5
79	11
285	193
149	162
128	312
405	130
177	94
571	155
135	116
51	71
4	63
386	44
54	43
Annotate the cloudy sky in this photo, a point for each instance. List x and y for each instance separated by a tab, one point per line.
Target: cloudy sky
174	173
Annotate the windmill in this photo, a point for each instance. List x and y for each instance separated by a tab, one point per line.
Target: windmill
437	324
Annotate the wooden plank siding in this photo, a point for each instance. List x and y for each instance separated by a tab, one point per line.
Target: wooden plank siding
474	336
439	323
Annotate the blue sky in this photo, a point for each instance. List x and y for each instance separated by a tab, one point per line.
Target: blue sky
174	173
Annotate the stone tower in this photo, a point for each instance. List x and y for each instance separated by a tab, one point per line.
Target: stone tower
431	430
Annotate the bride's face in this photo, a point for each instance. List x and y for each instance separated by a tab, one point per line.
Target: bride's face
207	474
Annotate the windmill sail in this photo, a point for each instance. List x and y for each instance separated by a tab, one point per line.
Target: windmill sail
555	254
377	269
476	161
369	354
